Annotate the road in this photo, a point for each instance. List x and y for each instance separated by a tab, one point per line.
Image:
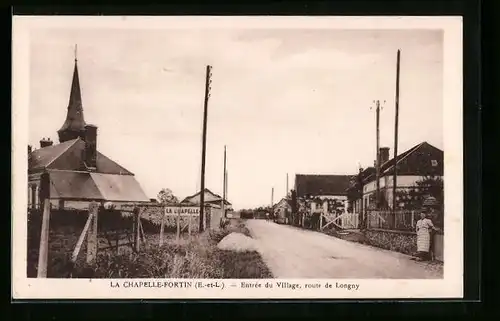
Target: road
291	252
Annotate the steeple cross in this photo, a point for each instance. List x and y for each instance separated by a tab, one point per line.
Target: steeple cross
76	52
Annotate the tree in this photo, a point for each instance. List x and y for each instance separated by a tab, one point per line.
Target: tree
414	197
166	197
432	186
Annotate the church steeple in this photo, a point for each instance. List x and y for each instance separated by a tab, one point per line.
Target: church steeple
74	125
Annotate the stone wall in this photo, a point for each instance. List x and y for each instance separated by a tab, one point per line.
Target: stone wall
404	242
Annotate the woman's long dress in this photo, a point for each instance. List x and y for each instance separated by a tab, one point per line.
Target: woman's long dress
424	227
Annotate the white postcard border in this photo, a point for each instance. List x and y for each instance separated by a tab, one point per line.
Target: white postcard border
451	286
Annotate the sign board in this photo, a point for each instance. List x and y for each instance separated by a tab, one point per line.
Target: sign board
175	210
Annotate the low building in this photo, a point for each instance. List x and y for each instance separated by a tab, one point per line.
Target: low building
213	204
314	190
210	198
414	165
355	190
282	211
73	173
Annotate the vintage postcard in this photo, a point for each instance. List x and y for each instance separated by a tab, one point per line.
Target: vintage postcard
237	157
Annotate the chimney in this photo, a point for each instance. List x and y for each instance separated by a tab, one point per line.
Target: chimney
384	154
90	154
30	149
45	142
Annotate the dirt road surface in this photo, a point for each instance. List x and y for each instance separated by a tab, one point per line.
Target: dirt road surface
291	252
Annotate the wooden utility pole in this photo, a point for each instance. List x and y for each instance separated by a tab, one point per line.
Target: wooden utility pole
227	180
395	172
92	239
286	194
162	226
223	204
377	157
272	196
204	145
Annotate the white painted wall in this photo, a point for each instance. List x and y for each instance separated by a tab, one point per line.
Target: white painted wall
387	181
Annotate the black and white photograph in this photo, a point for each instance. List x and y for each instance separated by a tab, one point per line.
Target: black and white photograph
307	156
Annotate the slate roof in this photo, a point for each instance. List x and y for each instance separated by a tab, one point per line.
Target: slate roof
208	197
72	185
322	184
70	180
415	161
68	156
43	157
283	203
75	122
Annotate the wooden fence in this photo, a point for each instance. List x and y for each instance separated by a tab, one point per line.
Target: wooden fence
389	220
117	227
340	221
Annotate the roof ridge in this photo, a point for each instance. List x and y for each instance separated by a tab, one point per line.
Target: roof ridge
408	153
63	151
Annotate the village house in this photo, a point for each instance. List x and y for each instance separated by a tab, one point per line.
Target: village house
415	164
73	173
209	198
316	189
282	211
213	206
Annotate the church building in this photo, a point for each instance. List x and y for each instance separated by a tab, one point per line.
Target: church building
73	172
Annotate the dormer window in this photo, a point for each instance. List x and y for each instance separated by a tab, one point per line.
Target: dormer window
434	163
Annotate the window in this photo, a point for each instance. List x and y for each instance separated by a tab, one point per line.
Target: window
434	163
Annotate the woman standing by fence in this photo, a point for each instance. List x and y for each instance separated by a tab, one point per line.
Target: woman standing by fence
424	230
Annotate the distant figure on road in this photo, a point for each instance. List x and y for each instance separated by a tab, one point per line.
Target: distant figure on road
267	216
424	233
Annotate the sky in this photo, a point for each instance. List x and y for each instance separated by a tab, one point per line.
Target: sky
283	101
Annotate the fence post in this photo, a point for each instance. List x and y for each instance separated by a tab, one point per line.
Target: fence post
412	218
92	240
179	224
137	232
79	243
43	252
162	226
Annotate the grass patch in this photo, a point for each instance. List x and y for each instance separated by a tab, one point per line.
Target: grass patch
192	257
243	265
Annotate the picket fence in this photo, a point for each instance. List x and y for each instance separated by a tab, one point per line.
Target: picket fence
405	220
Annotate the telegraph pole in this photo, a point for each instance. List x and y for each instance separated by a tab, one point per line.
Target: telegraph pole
223	205
272	196
204	145
286	194
227	180
377	153
395	174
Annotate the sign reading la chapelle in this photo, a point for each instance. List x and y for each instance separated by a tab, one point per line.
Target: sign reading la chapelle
182	210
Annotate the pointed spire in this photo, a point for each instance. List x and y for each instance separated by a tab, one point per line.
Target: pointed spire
74	125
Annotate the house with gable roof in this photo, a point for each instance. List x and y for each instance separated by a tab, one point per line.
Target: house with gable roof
282	211
209	198
420	161
315	189
73	172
